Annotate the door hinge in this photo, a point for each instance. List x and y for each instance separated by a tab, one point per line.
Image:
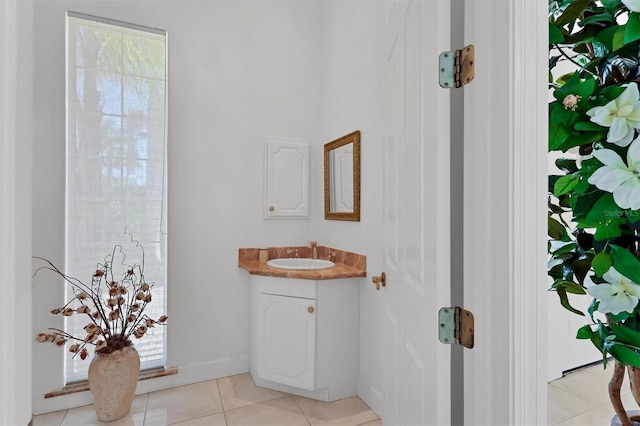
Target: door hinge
455	325
457	67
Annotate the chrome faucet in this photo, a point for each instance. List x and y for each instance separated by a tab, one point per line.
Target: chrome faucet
314	249
294	252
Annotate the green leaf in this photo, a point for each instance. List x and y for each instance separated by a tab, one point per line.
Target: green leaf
557	136
632	28
610	37
583	204
605	17
618	39
572	12
568	248
586	88
566	184
604	210
581	268
610	5
555	35
582	138
593	307
582	187
559	116
625	334
625	263
556	230
585	332
601	263
625	355
574	86
564	301
567	165
588	126
607	232
569	286
633	216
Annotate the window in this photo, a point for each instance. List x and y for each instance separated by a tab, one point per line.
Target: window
116	160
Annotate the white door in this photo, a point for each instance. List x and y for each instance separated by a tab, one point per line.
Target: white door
416	215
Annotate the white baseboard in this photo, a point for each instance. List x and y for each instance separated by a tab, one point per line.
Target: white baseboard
371	396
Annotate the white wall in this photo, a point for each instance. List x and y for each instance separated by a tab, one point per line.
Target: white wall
238	71
15	211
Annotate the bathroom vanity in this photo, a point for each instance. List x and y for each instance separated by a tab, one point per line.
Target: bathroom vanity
304	328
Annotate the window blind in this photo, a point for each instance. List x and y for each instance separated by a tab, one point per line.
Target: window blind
116	162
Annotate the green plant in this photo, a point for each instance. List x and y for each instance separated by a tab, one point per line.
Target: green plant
594	203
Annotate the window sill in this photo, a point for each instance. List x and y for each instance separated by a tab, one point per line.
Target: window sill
84	386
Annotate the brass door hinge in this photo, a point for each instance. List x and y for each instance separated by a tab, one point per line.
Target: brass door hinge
455	325
457	67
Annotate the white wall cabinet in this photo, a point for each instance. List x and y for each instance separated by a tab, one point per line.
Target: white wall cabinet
286	179
304	336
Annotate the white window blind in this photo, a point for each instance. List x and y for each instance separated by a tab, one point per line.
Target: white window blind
116	164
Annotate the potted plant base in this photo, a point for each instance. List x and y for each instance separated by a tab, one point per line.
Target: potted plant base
112	381
623	417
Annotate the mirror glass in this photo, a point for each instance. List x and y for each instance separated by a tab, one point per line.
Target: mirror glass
342	178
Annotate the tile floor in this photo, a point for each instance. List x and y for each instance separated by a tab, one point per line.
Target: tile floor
228	401
582	398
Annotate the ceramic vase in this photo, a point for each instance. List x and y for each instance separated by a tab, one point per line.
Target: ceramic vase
112	381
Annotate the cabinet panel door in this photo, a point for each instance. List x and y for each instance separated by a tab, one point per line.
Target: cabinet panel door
287	340
287	179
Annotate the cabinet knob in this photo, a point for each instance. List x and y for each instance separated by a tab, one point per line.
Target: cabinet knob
271	208
310	309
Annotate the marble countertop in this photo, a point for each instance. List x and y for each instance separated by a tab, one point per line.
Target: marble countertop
348	265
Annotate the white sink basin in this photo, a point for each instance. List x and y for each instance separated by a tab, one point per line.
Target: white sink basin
300	263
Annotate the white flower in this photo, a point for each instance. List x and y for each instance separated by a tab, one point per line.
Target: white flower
632	5
621	115
621	179
618	294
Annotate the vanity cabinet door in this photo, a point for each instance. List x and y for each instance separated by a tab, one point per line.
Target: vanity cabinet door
287	340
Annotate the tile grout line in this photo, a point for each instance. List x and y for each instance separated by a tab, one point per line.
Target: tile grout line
302	411
224	411
146	406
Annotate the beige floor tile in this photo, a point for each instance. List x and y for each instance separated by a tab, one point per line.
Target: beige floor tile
598	416
592	387
344	412
49	419
183	403
240	391
373	423
86	415
277	412
212	420
564	404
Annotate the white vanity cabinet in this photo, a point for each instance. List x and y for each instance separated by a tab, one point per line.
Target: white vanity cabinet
304	336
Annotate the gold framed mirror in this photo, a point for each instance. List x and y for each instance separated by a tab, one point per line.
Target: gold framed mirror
342	178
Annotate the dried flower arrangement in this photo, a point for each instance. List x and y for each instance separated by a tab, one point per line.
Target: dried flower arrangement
114	308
